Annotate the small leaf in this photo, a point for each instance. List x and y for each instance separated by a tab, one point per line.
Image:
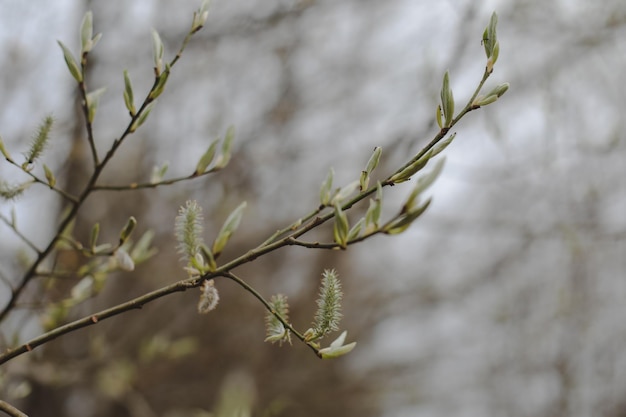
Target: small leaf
439	117
412	169
230	226
93	99
345	192
158	172
442	145
200	17
326	188
372	216
206	158
130	225
71	63
421	185
93	237
86	33
160	85
374	160
129	99
402	222
356	230
157	51
4	151
142	117
223	159
447	100
341	227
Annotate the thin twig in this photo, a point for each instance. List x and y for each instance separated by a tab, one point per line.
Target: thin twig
11	410
19	234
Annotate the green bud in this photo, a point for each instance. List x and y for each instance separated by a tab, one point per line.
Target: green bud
326	188
160	85
223	159
87	40
439	117
71	63
142	117
49	176
403	221
158	172
447	100
4	151
356	230
421	185
128	229
228	228
157	51
200	17
93	238
442	145
483	101
341	227
93	100
409	171
206	158
129	99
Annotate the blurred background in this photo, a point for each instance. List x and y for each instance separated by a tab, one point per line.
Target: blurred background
508	297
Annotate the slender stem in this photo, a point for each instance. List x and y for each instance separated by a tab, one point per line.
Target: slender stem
82	88
269	308
65	195
11	410
19	234
137	186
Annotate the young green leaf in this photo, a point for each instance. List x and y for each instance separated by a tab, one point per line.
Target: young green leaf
447	100
142	118
71	63
409	171
49	176
158	172
93	98
4	151
223	159
157	52
129	99
130	225
326	188
206	158
228	228
403	221
421	185
341	227
200	16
